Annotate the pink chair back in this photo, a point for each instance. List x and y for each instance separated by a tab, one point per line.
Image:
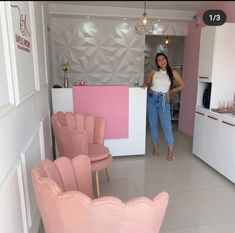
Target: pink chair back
73	132
66	210
94	126
82	134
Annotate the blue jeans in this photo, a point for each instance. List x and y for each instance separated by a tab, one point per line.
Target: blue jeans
158	106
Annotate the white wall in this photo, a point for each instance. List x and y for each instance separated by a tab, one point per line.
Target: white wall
104	49
65	8
25	136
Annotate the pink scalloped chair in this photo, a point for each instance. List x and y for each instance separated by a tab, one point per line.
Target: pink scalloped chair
63	191
79	134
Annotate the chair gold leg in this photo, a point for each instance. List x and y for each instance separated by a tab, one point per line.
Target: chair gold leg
107	174
97	183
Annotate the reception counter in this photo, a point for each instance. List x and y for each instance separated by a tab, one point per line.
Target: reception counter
135	140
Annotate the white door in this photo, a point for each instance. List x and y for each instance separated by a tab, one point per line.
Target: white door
199	134
206	53
211	139
226	150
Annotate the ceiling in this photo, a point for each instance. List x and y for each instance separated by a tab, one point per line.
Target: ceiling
169	5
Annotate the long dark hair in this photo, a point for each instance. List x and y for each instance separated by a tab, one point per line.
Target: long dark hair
168	68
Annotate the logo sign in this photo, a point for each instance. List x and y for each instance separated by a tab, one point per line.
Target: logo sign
214	17
21	41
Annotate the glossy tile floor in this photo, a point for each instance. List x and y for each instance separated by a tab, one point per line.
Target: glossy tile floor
201	200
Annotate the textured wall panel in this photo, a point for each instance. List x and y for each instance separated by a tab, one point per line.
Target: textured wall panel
170	28
100	51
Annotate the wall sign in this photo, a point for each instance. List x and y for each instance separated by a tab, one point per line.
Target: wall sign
21	26
21	41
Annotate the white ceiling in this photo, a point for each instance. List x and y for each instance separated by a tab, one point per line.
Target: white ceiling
169	5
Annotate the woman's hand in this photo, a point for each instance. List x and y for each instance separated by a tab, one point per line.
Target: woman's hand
143	86
148	79
168	96
180	81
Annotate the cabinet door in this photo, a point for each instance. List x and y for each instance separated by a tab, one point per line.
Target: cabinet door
211	139
199	134
226	150
206	53
223	73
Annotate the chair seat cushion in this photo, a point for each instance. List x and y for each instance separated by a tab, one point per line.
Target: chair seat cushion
97	152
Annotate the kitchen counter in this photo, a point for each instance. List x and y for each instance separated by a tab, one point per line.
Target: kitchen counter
227	116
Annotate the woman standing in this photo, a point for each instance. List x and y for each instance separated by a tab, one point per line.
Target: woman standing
160	86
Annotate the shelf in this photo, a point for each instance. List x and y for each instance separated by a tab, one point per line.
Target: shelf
200	92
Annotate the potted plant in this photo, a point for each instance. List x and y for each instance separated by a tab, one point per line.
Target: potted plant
65	68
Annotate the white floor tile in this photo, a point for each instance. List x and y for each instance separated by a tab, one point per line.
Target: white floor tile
199	177
221	200
152	183
186	209
210	228
201	199
123	188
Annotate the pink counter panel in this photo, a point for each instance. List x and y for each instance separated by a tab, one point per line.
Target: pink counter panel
110	102
134	144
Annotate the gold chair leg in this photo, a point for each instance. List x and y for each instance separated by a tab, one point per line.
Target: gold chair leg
107	174
97	183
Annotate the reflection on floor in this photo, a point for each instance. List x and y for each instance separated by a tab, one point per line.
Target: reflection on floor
201	200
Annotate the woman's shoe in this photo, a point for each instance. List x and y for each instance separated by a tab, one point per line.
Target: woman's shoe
170	155
156	150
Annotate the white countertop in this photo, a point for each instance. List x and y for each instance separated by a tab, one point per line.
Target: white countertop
227	116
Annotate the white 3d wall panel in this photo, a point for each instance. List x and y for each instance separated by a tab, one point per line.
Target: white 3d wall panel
100	51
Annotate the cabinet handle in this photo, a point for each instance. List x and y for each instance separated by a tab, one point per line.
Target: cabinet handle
200	113
213	118
228	123
203	77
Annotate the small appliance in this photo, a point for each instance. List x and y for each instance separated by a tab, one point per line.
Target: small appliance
207	96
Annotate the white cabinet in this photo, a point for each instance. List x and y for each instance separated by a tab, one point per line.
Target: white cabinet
211	138
206	135
214	141
215	49
225	161
206	53
214	133
199	134
216	63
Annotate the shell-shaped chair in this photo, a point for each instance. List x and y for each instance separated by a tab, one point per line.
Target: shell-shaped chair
63	191
82	134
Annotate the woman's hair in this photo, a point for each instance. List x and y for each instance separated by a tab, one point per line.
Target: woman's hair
168	68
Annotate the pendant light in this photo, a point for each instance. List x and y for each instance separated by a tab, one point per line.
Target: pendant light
167	42
144	26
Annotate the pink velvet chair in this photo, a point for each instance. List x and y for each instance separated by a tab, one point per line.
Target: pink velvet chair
63	193
79	134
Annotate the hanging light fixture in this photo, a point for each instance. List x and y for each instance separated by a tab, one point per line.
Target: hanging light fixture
144	26
167	42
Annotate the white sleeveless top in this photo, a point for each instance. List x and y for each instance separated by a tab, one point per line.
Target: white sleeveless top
161	81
